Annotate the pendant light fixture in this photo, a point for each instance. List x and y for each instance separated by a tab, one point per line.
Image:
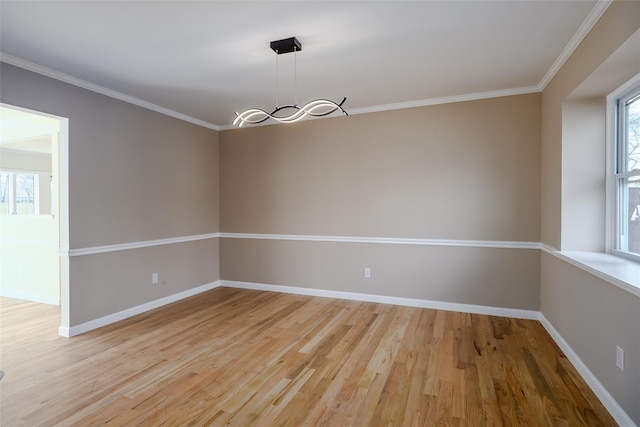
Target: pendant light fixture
293	112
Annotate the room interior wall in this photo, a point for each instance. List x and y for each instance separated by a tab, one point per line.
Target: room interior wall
616	25
136	179
121	280
583	175
463	172
592	315
491	277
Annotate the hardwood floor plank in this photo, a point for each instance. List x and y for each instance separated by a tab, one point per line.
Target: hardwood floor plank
251	358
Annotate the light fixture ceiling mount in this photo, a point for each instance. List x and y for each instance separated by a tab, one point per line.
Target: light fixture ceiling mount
315	108
283	46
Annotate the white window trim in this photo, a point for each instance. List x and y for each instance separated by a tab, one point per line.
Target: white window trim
611	197
12	191
13	208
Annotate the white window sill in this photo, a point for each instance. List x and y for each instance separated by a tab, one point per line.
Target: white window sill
619	271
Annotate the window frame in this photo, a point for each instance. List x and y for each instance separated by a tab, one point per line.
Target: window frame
10	189
617	173
13	193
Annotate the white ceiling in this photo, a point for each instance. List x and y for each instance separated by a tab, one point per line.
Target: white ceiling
208	59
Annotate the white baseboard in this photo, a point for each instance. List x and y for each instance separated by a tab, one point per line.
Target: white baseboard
29	296
410	302
596	386
124	314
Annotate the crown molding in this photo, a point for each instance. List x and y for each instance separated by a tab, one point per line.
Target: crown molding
446	100
593	17
48	72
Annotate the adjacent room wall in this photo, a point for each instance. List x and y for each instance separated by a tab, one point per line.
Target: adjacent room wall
592	315
29	252
135	176
458	172
29	243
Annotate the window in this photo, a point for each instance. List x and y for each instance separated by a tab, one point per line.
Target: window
19	193
627	174
4	193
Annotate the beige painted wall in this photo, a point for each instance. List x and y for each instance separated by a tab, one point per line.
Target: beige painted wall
121	280
583	175
463	171
135	175
618	23
467	170
505	278
592	315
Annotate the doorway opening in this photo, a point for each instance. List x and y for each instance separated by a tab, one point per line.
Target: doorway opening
34	226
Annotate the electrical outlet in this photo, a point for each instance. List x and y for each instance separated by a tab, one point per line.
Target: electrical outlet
620	358
367	273
154	278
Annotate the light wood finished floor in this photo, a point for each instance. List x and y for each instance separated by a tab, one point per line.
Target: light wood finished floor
244	358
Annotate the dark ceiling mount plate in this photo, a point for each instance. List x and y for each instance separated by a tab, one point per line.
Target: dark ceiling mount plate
291	44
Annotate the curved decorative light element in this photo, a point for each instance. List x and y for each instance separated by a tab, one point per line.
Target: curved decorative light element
317	108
